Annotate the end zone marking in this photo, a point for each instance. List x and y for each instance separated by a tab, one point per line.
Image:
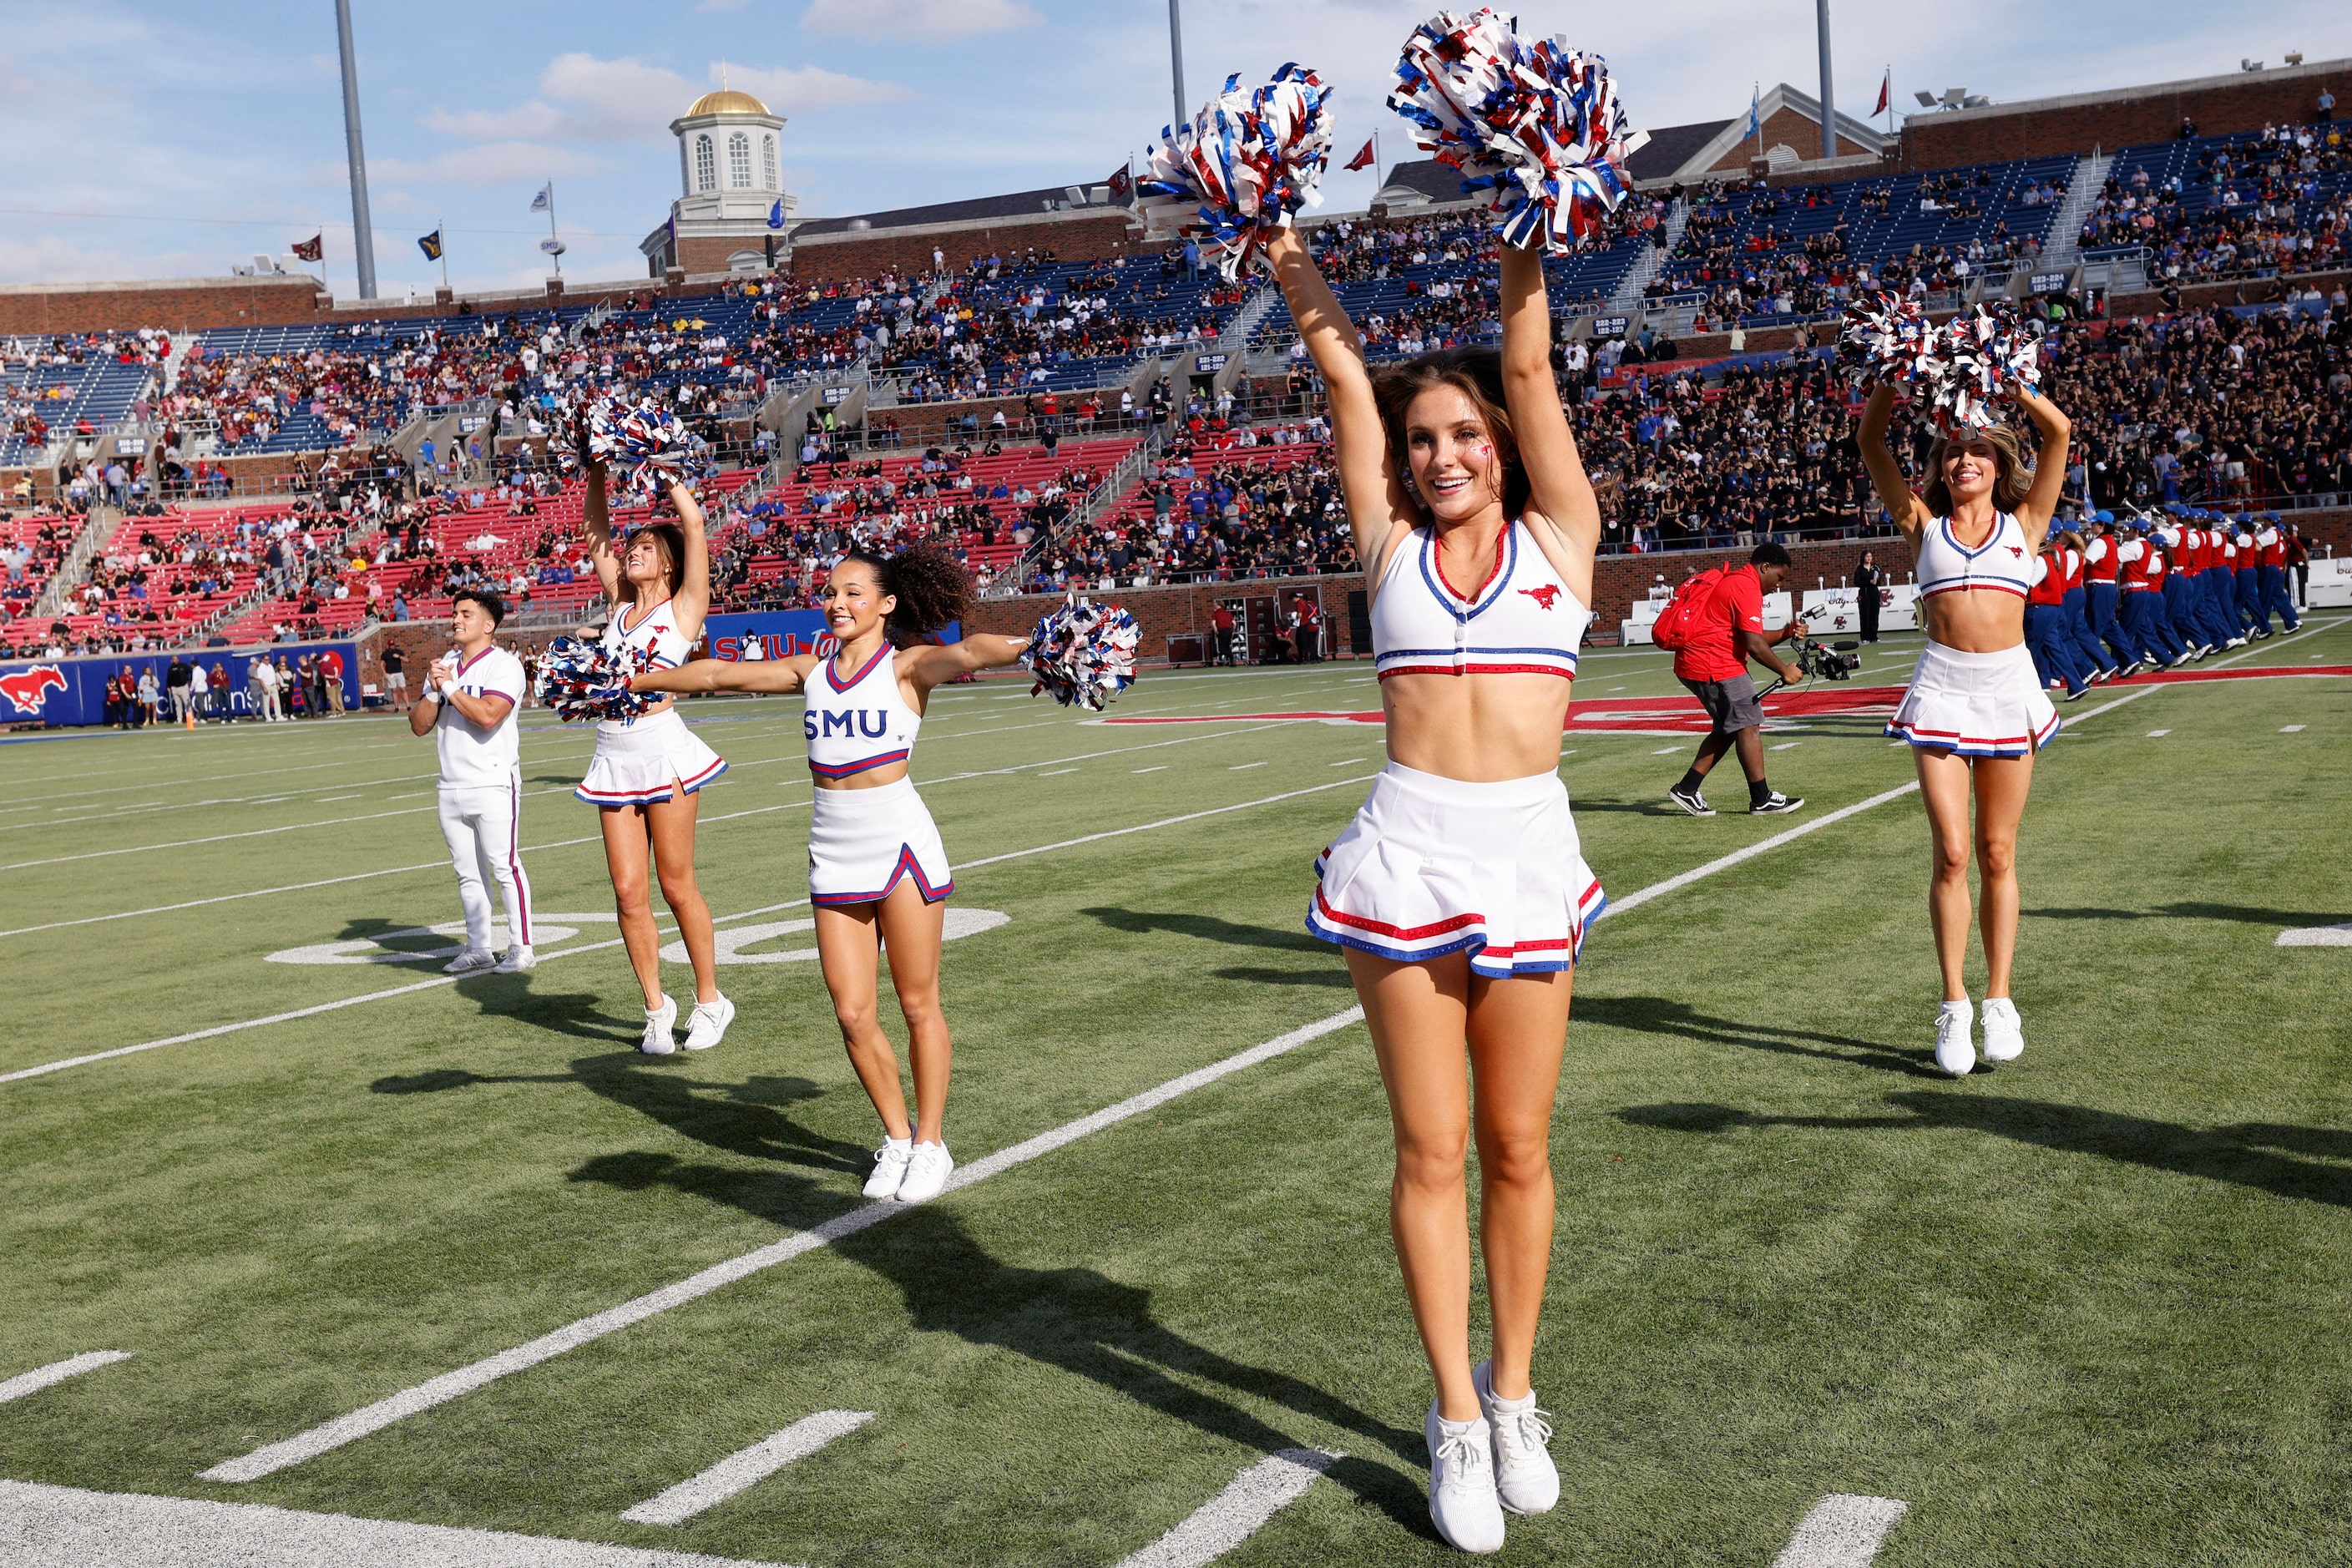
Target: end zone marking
65	1527
747	1468
39	1378
1235	1514
1844	1531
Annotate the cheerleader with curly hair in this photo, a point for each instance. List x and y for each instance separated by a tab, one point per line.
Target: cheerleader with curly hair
878	876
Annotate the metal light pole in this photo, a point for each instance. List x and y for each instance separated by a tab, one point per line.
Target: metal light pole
1176	57
1828	98
362	231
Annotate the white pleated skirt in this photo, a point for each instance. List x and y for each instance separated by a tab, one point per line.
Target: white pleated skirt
1976	704
1432	866
639	761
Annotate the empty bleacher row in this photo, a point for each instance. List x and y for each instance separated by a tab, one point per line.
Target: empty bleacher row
41	402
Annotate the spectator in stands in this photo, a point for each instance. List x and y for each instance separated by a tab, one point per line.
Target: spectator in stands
1729	631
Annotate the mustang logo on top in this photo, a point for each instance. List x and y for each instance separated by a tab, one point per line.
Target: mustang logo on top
28	689
1544	595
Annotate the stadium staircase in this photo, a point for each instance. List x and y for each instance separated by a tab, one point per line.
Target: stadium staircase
86	547
1626	298
2065	249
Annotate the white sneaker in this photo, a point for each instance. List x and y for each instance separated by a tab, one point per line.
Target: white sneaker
1462	1500
1956	1053
889	1167
2004	1034
707	1025
469	960
1526	1480
518	958
927	1173
659	1022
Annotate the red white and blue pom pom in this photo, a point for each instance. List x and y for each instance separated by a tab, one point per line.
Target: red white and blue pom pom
1083	653
1887	340
582	681
648	444
1958	371
1531	120
1989	356
1243	168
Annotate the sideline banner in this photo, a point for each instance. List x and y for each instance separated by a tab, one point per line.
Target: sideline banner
73	690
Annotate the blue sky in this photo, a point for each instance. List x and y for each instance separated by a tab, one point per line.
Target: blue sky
168	140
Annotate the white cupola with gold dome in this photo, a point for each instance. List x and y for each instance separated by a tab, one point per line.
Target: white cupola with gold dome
730	179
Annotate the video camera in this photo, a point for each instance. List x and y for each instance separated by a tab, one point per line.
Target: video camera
1818	660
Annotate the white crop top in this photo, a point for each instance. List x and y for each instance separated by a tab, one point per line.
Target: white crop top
859	724
1521	620
655	630
2003	563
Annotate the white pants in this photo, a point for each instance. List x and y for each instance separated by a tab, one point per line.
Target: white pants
481	823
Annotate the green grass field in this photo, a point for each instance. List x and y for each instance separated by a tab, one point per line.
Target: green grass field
2087	1308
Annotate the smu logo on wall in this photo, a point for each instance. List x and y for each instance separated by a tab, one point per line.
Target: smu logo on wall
27	690
780	633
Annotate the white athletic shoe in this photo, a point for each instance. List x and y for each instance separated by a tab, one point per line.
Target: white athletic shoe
1526	1480
518	958
889	1167
659	1022
707	1025
469	960
1462	1500
1956	1053
927	1172
2004	1034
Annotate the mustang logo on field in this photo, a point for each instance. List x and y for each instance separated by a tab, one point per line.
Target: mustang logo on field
1543	595
29	690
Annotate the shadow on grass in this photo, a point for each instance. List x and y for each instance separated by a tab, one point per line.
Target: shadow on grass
1336	978
574	1013
740	1118
1658	1015
2194	912
1077	1320
2280	1159
1631	807
1208	928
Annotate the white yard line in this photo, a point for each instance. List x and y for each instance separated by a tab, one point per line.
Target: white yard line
65	1527
747	1468
39	1378
587	1331
1235	1514
1844	1531
549	957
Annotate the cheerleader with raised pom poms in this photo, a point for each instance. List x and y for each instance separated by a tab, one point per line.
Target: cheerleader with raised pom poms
878	876
1459	890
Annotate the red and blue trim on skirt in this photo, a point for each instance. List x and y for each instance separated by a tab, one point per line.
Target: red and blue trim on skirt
907	866
651	797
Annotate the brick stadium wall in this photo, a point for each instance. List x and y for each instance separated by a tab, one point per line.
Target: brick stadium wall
829	257
2222	105
184	304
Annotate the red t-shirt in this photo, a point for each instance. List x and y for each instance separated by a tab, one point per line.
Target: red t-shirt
1737	606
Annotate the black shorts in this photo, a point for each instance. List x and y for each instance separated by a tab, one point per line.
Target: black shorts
1730	704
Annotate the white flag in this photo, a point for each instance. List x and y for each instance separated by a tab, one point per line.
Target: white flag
545	199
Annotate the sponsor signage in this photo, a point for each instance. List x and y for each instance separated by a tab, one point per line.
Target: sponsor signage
777	634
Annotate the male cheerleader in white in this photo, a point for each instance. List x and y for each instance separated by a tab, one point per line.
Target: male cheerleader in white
468	706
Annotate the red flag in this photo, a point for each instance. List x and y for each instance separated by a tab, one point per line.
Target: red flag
1362	159
310	250
1119	183
1884	83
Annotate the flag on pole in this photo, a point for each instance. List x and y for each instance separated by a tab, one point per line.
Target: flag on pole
311	249
1884	82
1119	183
1755	111
776	214
1362	159
545	199
430	243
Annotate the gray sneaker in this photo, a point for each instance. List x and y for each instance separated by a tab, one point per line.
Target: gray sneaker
1692	802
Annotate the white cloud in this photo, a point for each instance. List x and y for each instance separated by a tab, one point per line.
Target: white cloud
928	21
809	88
486	163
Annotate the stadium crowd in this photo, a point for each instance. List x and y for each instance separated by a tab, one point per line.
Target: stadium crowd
2253	218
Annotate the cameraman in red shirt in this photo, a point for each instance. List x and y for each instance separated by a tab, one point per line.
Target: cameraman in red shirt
1714	667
